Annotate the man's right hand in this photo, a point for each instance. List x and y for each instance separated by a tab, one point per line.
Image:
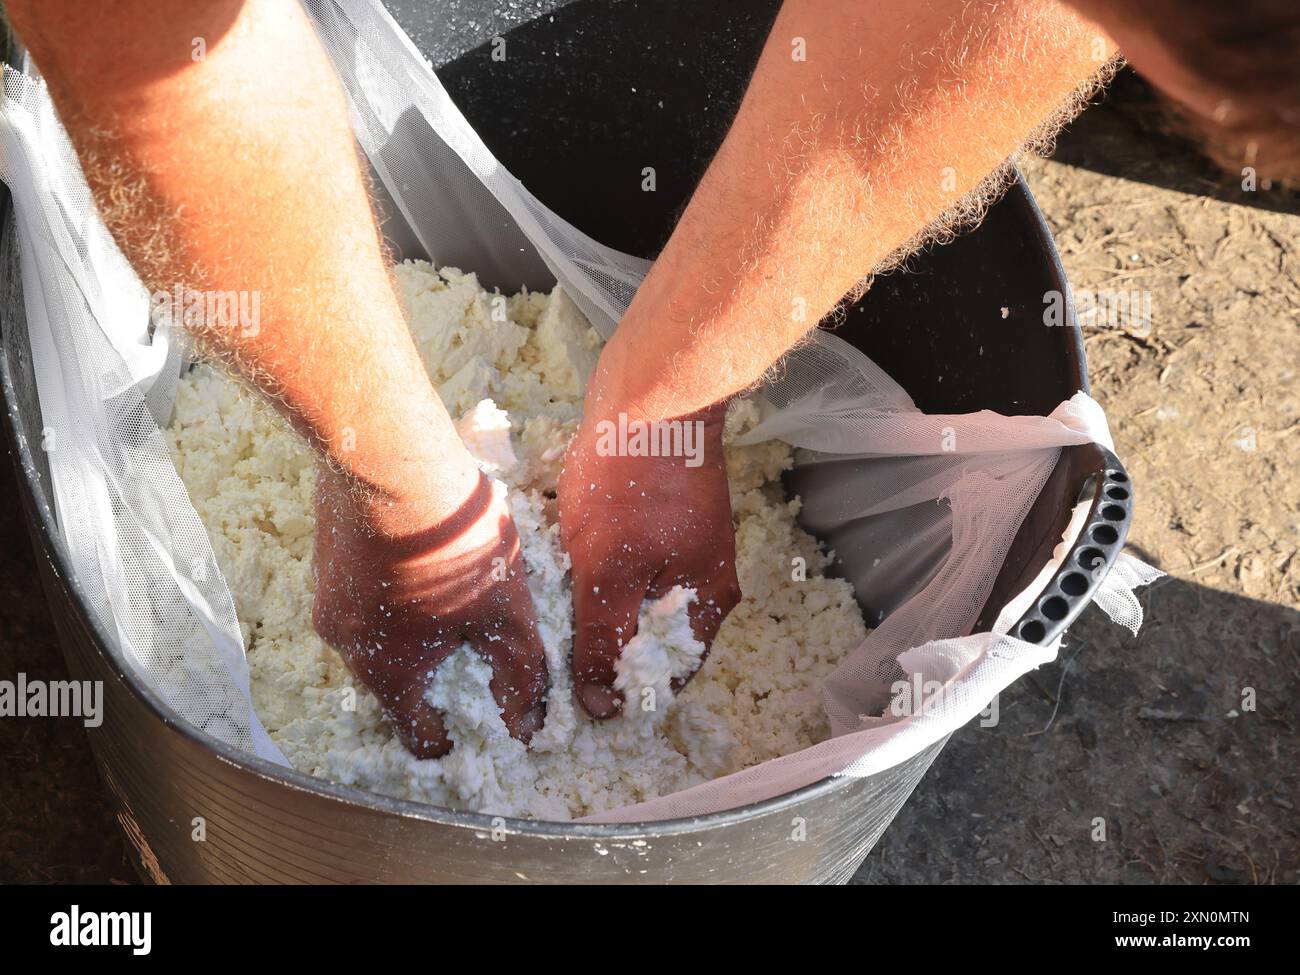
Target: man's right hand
402	583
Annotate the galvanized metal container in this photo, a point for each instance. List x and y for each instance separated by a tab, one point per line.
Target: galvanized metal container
264	824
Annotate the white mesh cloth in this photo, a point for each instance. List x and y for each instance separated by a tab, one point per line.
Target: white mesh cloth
1116	596
135	544
956	487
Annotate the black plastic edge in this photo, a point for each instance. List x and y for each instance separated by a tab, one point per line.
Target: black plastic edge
1090	558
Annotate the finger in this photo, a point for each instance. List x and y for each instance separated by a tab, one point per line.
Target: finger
399	672
508	639
419	724
605	610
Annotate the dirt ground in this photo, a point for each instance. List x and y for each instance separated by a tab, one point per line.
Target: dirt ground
1154	734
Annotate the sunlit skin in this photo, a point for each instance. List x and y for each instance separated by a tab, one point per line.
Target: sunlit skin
831	165
237	171
635	527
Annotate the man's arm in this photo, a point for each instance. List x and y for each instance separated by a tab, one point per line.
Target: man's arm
215	138
866	123
901	109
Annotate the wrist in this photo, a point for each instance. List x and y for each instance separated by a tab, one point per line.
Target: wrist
412	470
628	383
427	505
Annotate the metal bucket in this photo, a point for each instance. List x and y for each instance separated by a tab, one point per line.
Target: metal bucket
263	823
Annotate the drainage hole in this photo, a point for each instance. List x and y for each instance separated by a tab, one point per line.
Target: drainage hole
1055	608
1105	535
1032	631
1091	558
1075	583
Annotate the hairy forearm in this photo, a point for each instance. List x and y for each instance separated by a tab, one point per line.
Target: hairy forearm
896	118
236	171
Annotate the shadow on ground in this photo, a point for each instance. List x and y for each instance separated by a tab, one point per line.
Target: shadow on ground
1152	736
1129	115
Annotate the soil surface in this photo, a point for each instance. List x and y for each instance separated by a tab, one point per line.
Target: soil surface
1182	741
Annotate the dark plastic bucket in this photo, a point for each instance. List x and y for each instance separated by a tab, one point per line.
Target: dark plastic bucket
573	74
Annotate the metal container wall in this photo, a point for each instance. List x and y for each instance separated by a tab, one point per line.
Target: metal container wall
266	825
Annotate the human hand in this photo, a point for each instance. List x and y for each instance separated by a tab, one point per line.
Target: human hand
634	527
402	583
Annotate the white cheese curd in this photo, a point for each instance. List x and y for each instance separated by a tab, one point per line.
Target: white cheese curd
514	369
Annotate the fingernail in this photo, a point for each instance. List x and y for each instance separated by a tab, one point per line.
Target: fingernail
424	746
600	701
531	722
